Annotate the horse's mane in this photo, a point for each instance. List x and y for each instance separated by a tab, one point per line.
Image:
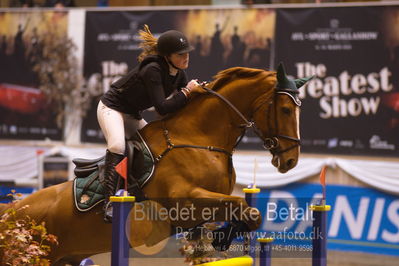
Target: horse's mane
225	76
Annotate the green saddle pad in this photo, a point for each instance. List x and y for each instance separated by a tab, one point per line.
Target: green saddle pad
89	192
92	195
143	165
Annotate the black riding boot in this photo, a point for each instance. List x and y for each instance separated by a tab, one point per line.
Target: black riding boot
110	181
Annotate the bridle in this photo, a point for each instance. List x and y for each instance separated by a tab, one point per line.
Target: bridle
272	141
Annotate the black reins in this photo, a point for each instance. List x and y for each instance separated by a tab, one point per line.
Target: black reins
270	142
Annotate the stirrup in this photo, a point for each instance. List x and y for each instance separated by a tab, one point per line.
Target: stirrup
108	212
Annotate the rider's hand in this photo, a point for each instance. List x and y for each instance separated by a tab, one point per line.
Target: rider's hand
193	83
195	88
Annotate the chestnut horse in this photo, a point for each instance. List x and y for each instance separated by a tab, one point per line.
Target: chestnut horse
245	98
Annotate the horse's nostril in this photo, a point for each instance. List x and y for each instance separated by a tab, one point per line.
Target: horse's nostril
290	163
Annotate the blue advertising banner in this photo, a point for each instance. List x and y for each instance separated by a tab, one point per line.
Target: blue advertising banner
361	219
20	192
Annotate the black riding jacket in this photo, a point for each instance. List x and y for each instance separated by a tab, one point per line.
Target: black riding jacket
147	85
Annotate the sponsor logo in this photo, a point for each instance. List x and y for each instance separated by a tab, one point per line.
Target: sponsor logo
125	38
346	143
332	143
334	37
377	143
13	129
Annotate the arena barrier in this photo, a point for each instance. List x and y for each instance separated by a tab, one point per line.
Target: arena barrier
239	261
319	244
122	205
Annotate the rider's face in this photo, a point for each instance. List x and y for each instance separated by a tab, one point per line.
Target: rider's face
180	60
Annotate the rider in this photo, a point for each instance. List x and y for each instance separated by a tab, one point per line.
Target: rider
158	81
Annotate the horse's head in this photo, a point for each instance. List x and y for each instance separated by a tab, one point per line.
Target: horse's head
277	121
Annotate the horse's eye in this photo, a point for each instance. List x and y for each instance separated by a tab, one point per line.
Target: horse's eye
286	110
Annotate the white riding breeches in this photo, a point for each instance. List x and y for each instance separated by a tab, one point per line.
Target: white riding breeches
116	126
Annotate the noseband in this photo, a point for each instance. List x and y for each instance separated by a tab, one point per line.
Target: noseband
270	142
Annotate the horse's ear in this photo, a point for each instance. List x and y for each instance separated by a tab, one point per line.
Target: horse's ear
281	76
300	82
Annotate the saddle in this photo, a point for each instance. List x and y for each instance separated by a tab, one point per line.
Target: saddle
87	186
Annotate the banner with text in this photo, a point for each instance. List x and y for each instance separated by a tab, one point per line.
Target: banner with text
352	104
361	219
222	38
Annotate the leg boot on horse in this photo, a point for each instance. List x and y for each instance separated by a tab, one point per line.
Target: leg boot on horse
110	181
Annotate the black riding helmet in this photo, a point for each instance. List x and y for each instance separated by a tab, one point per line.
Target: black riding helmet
173	41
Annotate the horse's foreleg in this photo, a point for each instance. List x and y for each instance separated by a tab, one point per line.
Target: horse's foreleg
213	206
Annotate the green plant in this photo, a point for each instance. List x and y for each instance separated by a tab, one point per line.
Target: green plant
22	240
